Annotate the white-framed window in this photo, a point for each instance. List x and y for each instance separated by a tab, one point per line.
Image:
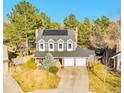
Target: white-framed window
60	45
51	45
41	45
69	45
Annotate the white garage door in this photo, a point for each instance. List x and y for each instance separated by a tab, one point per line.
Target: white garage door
80	62
68	61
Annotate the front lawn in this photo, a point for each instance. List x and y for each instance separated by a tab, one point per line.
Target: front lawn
30	78
96	80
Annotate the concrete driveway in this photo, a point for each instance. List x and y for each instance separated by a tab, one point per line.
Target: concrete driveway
10	85
73	80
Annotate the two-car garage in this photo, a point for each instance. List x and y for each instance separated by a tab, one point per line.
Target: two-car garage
71	58
74	61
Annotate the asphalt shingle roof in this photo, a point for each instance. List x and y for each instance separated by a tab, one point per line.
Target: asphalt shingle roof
79	52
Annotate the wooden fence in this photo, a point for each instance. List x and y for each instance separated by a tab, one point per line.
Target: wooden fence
21	60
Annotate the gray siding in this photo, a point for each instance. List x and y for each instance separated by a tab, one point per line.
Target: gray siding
37	46
46	46
55	46
65	46
74	46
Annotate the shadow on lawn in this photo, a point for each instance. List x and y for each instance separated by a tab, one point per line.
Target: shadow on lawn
111	82
96	75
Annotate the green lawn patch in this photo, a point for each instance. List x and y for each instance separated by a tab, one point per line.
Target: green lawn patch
96	80
31	79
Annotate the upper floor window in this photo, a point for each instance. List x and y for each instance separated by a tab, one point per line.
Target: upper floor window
60	45
41	45
51	45
69	45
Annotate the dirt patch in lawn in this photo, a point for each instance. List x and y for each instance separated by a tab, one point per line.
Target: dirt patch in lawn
112	82
34	79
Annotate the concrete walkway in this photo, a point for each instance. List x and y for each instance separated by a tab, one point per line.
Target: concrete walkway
10	85
73	80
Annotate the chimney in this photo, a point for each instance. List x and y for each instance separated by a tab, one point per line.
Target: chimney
62	26
36	33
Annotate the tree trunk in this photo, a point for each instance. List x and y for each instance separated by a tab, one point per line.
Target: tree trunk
27	46
106	64
21	52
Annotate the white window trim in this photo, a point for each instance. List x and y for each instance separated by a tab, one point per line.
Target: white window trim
49	42
42	42
62	45
68	42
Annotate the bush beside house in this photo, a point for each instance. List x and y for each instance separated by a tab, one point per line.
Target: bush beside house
49	63
31	64
53	69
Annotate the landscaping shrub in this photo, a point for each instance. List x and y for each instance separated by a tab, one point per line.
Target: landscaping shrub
48	61
53	69
31	64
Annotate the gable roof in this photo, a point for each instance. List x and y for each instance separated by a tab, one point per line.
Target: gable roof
48	34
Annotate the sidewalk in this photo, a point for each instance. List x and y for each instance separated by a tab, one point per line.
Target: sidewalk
10	85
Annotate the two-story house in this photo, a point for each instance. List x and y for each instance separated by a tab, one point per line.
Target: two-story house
62	44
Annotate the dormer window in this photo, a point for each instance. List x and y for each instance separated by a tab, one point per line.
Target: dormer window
60	45
69	45
41	45
51	45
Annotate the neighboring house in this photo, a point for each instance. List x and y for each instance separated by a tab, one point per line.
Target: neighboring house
112	59
62	44
117	61
5	58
